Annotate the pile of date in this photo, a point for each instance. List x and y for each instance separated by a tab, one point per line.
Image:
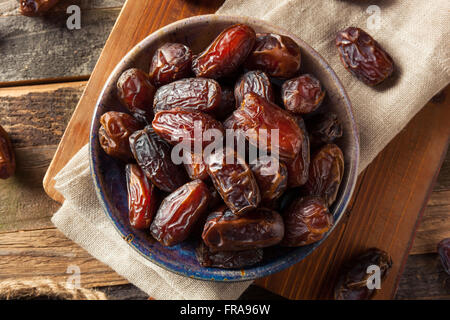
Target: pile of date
247	83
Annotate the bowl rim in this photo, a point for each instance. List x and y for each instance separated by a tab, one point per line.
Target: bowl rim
340	206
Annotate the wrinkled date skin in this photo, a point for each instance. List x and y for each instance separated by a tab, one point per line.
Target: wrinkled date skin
272	178
142	198
177	126
324	128
279	56
352	283
115	130
257	113
195	166
254	81
325	173
170	62
136	93
32	8
306	221
191	94
444	253
178	213
234	181
298	170
363	57
227	104
7	156
228	259
226	53
303	94
154	157
224	231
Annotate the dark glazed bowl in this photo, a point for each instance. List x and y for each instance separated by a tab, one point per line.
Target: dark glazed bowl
109	174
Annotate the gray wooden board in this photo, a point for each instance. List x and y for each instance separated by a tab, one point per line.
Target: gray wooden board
36	49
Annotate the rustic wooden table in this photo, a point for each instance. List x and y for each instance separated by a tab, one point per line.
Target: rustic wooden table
44	70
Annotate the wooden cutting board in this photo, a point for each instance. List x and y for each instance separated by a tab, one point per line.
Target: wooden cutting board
389	197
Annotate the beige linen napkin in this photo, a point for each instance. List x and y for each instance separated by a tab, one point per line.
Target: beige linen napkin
414	32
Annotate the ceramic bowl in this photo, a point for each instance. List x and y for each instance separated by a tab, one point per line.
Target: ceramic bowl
109	174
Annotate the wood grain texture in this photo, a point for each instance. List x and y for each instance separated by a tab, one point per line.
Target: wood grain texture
44	49
35	117
435	224
386	208
144	17
11	7
49	253
424	279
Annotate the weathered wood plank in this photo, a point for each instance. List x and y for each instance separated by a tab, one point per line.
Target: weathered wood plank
48	253
11	7
23	203
35	118
36	49
435	224
424	278
38	115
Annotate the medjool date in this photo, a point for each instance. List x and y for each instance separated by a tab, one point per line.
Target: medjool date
224	231
306	221
191	94
303	94
228	259
154	157
233	180
227	104
253	81
177	126
195	166
116	128
272	177
324	128
170	62
226	53
136	93
142	198
33	8
265	125
353	283
277	55
298	170
363	57
7	156
179	212
325	173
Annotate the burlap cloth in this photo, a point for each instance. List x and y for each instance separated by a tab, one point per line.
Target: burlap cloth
414	32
